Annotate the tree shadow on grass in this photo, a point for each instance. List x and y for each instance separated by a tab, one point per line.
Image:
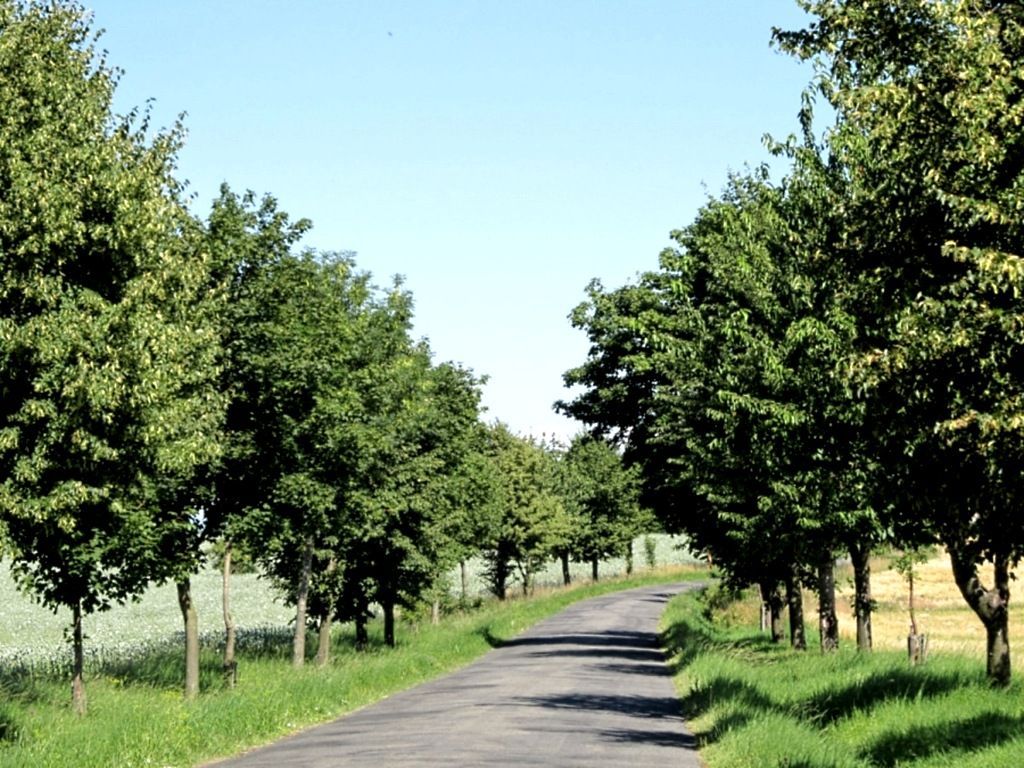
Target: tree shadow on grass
687	639
828	706
975	733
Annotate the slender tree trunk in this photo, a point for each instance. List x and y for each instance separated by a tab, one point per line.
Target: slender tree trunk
566	576
773	605
828	623
435	611
593	568
362	612
795	604
323	646
775	609
464	579
78	699
991	606
860	557
629	558
389	622
191	619
326	618
230	665
301	600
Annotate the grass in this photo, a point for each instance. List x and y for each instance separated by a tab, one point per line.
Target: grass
138	718
754	704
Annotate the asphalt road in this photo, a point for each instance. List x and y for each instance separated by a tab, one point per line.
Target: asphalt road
586	687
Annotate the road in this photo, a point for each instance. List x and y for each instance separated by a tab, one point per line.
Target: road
586	687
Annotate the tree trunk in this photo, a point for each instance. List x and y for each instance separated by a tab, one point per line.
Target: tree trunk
828	623
191	619
389	622
323	646
795	604
593	568
775	606
772	600
362	611
991	606
629	558
78	700
301	599
464	579
860	557
435	611
230	666
566	576
326	618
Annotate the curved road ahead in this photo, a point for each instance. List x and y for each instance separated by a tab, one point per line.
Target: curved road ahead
586	687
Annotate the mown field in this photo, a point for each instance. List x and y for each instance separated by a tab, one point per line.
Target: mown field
755	705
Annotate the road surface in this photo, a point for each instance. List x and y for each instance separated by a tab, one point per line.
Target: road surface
586	687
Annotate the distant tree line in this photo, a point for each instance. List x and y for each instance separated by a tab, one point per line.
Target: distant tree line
172	387
834	362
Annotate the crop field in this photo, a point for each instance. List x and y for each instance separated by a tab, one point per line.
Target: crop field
31	634
939	608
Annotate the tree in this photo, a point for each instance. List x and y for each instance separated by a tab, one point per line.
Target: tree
602	499
928	101
105	365
532	524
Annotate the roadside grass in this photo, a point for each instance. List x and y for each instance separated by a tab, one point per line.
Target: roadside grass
753	704
138	718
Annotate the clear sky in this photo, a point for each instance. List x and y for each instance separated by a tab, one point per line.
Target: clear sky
498	154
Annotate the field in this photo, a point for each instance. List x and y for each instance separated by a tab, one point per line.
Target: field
137	716
29	632
940	609
755	705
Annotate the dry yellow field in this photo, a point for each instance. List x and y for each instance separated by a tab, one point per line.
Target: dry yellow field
940	609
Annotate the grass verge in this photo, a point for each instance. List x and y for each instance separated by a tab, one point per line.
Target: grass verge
137	716
753	704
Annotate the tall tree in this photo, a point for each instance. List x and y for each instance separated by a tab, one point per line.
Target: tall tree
929	135
105	366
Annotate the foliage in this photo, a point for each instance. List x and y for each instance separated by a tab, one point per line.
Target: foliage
108	350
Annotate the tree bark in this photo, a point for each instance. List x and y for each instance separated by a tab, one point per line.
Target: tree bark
78	699
860	557
389	622
773	605
326	618
566	576
828	623
323	646
629	558
301	600
991	606
191	619
593	568
795	604
464	579
435	611
230	666
362	611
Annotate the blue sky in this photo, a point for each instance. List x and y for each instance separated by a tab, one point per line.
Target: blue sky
499	155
